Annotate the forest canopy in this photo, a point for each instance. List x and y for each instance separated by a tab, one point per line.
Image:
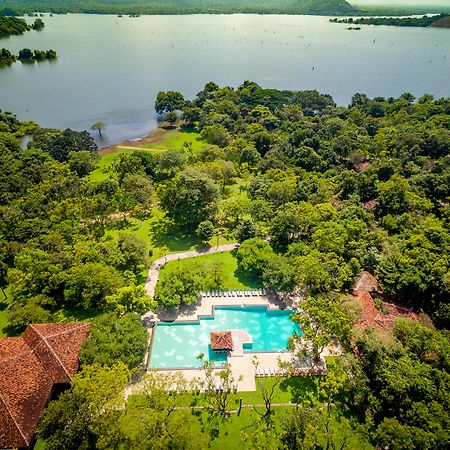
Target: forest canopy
315	193
324	7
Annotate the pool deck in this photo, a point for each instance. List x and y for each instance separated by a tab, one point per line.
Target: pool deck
242	368
241	363
204	307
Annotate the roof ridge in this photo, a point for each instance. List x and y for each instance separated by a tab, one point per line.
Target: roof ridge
76	327
51	349
14	420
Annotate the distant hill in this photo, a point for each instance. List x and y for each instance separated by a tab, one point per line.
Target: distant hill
444	22
315	7
325	7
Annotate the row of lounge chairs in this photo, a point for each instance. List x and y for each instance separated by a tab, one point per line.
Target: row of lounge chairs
292	372
271	372
235	293
217	388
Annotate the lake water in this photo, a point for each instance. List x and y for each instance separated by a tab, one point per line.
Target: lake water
111	68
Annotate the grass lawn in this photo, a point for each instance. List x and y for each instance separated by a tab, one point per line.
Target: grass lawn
63	315
76	315
161	235
228	435
101	173
167	140
223	264
290	389
174	140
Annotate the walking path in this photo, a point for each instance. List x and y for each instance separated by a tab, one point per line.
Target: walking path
146	149
153	273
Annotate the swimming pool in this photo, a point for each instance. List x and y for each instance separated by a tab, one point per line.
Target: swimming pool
178	344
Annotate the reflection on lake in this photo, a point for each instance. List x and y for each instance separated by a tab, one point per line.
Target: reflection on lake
111	68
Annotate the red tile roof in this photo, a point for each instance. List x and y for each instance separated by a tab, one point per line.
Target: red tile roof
30	365
367	282
221	340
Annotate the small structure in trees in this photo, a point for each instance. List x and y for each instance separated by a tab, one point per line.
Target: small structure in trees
366	282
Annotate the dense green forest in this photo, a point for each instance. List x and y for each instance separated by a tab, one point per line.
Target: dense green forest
314	7
424	21
325	7
314	192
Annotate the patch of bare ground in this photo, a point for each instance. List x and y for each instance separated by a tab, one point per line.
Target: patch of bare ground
380	314
377	311
153	136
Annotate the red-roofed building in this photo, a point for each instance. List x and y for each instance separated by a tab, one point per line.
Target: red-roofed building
32	368
221	341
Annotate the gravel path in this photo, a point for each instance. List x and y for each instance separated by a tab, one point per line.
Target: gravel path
153	272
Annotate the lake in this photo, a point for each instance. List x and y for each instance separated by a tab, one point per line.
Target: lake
111	68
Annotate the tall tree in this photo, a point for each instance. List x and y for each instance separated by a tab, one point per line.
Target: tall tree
98	126
190	198
169	101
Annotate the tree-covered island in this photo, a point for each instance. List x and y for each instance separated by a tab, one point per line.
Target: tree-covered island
10	26
424	21
26	56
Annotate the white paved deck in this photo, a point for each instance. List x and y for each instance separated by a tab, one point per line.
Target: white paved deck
242	368
205	307
240	337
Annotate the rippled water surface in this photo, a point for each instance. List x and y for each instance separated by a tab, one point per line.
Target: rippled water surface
111	68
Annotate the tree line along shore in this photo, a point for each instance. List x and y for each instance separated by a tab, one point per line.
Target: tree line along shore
437	21
140	7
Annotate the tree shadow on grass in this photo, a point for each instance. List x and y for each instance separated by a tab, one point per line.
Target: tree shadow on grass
3	304
188	128
250	281
123	224
164	233
299	387
78	314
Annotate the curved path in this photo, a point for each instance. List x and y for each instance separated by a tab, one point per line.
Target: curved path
153	272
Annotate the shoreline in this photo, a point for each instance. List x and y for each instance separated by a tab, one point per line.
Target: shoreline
363	11
148	138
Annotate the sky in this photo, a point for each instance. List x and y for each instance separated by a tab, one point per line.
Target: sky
401	2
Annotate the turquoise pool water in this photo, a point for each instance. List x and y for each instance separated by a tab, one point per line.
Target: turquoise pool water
177	345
